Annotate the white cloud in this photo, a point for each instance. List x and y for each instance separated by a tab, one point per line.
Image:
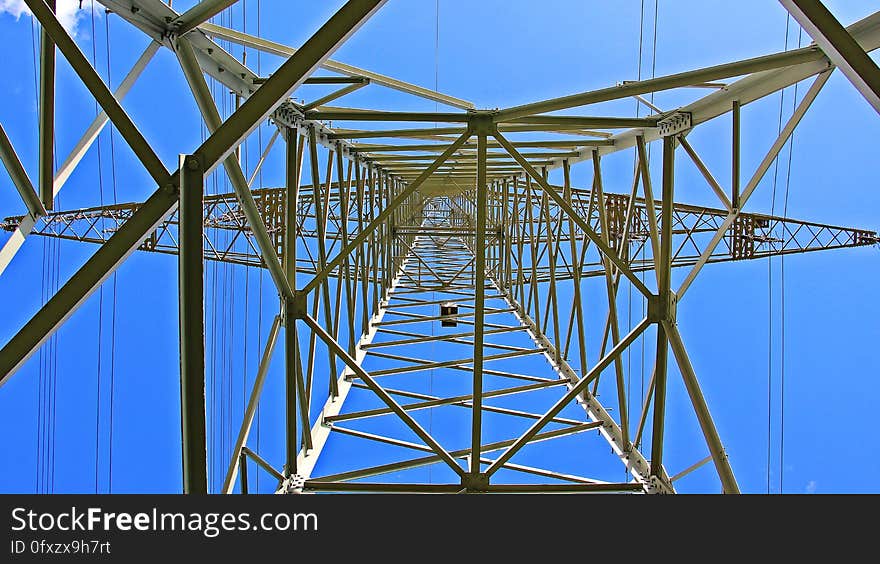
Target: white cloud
14	7
811	487
68	11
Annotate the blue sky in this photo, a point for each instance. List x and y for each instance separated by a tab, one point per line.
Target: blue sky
496	54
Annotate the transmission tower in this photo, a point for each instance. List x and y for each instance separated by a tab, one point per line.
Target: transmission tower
435	287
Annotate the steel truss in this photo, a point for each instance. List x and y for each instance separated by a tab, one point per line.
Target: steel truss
460	215
751	236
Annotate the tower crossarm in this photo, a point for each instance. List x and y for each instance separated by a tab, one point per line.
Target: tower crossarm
229	239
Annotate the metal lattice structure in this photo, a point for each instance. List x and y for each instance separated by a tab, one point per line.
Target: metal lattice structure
456	224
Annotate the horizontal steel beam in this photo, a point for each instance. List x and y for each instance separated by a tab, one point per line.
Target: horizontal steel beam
329	80
461	453
199	14
440	147
274	48
839	46
380	115
756	86
717	72
552	126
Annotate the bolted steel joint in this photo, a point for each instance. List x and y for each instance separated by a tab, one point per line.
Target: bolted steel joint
482	122
172	187
660	309
289	132
297	308
293	484
675	123
656	485
475	482
192	162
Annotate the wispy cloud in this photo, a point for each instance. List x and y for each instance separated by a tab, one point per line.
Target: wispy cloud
811	487
68	11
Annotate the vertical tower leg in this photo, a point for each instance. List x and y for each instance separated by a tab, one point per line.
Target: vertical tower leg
192	326
479	304
291	343
47	117
663	300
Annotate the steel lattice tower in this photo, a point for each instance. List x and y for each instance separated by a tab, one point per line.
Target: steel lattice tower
455	227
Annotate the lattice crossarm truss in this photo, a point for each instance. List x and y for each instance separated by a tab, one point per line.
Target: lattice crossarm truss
228	237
